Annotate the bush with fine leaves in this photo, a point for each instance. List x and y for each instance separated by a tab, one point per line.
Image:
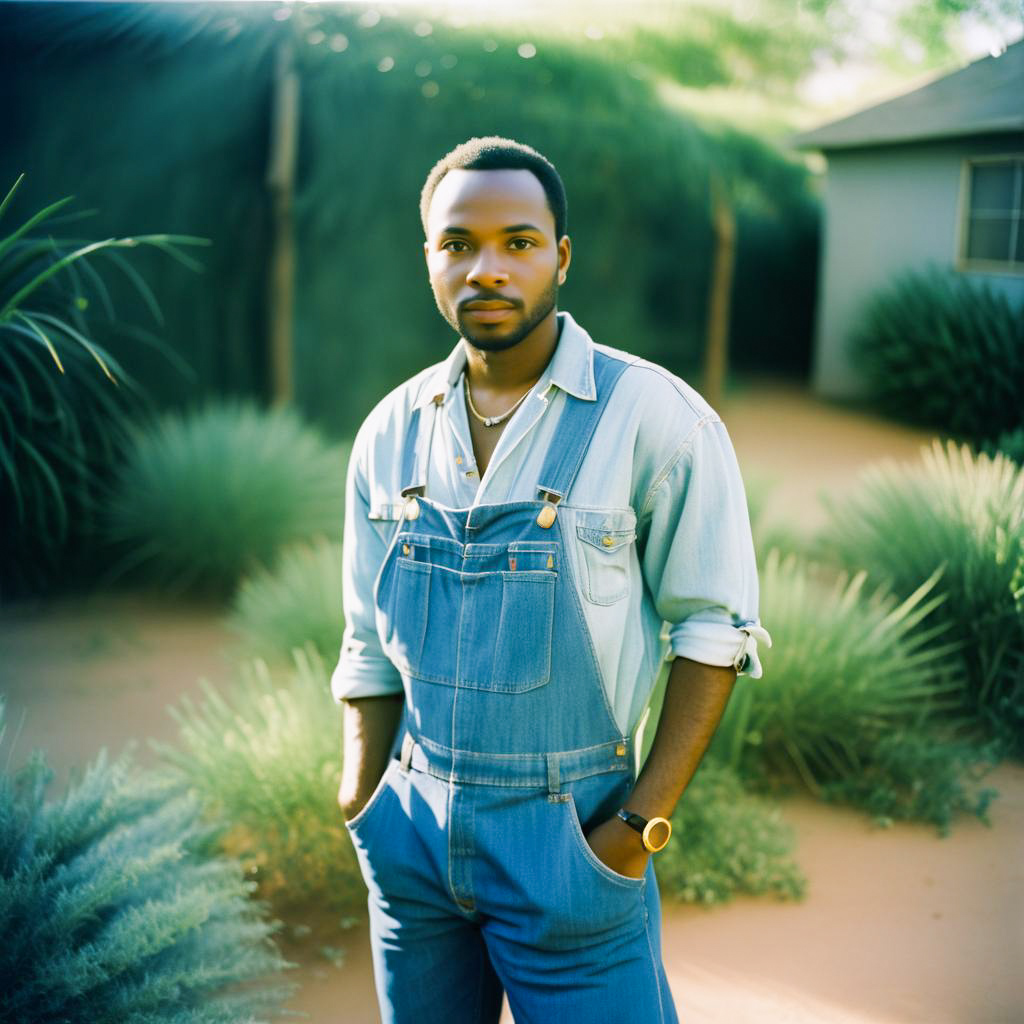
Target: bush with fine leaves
206	496
266	758
848	675
963	512
115	911
731	842
296	602
944	351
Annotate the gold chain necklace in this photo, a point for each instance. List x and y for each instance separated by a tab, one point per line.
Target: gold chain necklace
489	421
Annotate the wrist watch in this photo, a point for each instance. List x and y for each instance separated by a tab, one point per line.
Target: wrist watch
656	832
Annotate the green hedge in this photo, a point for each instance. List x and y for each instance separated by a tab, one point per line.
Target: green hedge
187	91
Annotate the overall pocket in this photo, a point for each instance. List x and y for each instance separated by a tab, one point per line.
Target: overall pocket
479	616
605	547
354	823
595	862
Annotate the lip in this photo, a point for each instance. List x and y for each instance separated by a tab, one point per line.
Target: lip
490	315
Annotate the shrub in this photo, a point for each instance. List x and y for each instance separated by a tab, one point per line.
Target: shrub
942	350
63	396
113	911
205	496
299	601
266	758
916	774
846	676
729	841
966	513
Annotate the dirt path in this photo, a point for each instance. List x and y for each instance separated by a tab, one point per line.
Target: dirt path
898	925
806	446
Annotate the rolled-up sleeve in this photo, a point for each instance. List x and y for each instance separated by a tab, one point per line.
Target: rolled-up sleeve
363	670
698	556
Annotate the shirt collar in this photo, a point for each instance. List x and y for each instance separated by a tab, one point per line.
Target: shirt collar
571	367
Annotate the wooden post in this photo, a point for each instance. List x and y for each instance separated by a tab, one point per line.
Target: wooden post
280	182
716	354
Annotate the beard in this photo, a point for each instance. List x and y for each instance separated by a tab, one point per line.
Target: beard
483	338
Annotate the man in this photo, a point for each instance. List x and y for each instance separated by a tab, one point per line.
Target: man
522	518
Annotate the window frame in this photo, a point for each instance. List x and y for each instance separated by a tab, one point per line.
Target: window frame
1008	266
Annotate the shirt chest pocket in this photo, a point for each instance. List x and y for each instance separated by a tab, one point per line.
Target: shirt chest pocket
605	549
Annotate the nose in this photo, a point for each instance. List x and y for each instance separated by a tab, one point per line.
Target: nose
487	271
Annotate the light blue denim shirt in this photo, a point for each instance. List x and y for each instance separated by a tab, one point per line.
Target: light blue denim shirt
662	553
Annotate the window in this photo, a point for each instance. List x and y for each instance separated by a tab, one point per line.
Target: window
993	231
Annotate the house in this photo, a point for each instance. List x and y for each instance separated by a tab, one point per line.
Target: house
935	176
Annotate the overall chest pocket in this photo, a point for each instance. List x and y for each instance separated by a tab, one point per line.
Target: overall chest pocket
478	615
605	549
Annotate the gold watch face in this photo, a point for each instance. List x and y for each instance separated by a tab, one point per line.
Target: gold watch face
657	834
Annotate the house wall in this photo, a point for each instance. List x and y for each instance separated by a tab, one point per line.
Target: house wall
889	209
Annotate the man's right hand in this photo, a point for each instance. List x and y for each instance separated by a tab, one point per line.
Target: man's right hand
369	731
352	803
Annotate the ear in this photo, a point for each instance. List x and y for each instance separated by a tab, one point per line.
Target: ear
426	253
564	258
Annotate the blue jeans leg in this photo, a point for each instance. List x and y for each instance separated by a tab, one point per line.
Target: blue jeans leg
615	979
434	969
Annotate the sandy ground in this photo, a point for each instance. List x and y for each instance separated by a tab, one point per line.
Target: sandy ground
898	925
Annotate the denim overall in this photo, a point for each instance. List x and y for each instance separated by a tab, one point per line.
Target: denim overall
473	845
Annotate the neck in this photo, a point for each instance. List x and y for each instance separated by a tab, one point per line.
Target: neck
518	367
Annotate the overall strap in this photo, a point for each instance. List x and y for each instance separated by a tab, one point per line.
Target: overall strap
576	428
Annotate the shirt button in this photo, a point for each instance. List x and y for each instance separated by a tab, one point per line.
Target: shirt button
607	541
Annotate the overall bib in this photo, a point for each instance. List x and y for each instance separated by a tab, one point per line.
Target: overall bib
473	845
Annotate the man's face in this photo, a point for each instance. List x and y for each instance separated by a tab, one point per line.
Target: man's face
493	259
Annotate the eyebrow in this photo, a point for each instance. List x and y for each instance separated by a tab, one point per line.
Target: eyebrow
515	229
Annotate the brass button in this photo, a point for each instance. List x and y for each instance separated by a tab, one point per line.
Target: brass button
412	509
546	516
621	749
607	541
406	549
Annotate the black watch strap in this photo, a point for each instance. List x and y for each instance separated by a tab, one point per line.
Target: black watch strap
632	820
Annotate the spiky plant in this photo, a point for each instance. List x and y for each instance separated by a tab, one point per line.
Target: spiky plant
298	601
114	910
848	673
965	513
63	396
204	496
945	351
266	757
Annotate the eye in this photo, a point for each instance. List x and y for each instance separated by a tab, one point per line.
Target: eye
526	243
451	243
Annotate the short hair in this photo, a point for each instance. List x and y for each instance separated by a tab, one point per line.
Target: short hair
494	153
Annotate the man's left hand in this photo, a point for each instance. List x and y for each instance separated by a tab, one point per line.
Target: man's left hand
619	847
